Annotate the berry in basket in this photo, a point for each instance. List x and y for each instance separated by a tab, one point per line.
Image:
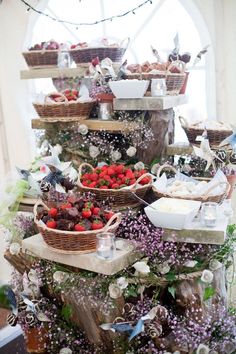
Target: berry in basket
68	94
50	45
113	177
76	214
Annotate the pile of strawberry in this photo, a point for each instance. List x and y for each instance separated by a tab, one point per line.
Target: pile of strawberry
76	214
113	177
70	94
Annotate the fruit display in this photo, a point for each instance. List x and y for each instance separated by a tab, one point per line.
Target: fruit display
66	95
76	214
50	45
114	177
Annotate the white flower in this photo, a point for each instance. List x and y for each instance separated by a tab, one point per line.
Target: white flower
122	283
215	264
83	129
207	276
57	149
93	151
7	236
131	151
33	277
202	349
115	155
155	168
115	291
164	268
141	268
190	264
14	248
60	277
139	166
65	351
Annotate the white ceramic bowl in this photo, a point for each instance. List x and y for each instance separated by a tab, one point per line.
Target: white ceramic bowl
171	213
129	88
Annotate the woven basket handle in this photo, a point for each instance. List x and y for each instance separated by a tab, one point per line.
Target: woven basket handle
123	41
35	209
47	97
177	63
140	179
183	122
165	167
80	172
227	188
117	218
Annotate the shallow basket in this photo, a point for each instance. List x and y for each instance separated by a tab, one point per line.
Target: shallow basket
207	197
72	241
120	198
37	59
215	136
64	109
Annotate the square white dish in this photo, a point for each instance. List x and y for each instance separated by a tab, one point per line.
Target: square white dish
171	213
129	88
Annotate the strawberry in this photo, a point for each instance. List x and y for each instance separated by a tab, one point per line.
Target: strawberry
96	211
115	186
132	181
73	46
128	171
85	183
52	212
121	175
109	215
103	174
75	92
51	224
103	187
94	177
66	206
79	227
93	184
86	213
85	176
104	168
145	180
88	205
120	169
110	171
130	175
97	224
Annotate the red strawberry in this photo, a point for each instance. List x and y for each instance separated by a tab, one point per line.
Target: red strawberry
85	183
103	187
121	175
109	215
65	206
130	175
103	173
73	46
52	212
94	177
97	224
88	205
75	92
104	168
86	213
120	169
96	211
51	224
132	181
93	184
110	171
79	227
145	180
115	186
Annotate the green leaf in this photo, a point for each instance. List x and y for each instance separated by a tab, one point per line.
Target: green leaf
172	290
231	228
131	291
208	293
170	276
66	312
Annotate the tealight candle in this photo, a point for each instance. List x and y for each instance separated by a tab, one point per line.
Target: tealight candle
158	87
105	245
209	214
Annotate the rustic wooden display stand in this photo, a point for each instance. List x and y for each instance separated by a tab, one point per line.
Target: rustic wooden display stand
189	291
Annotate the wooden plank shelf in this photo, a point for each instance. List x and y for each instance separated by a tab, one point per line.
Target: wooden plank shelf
54	72
149	103
179	149
36	246
92	124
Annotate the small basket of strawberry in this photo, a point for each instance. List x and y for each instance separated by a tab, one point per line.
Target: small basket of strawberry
117	183
63	105
72	226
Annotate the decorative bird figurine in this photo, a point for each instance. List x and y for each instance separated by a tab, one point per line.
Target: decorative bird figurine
205	152
199	55
122	71
156	54
230	140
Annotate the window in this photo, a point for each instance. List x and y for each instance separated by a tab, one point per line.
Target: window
154	24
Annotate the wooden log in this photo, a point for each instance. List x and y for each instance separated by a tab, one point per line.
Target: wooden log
21	262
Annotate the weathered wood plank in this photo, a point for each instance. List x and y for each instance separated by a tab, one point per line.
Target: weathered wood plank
93	124
88	261
179	149
149	103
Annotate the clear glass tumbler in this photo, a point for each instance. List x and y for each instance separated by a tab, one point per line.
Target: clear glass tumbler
105	247
209	214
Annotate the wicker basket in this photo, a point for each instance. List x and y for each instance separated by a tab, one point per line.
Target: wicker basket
174	81
37	59
120	198
63	109
215	136
86	55
73	241
207	197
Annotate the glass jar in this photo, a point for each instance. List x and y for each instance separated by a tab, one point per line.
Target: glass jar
105	247
158	87
209	214
105	110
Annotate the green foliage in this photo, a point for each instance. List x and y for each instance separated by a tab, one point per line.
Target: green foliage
170	276
172	290
131	290
4	302
66	312
208	293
